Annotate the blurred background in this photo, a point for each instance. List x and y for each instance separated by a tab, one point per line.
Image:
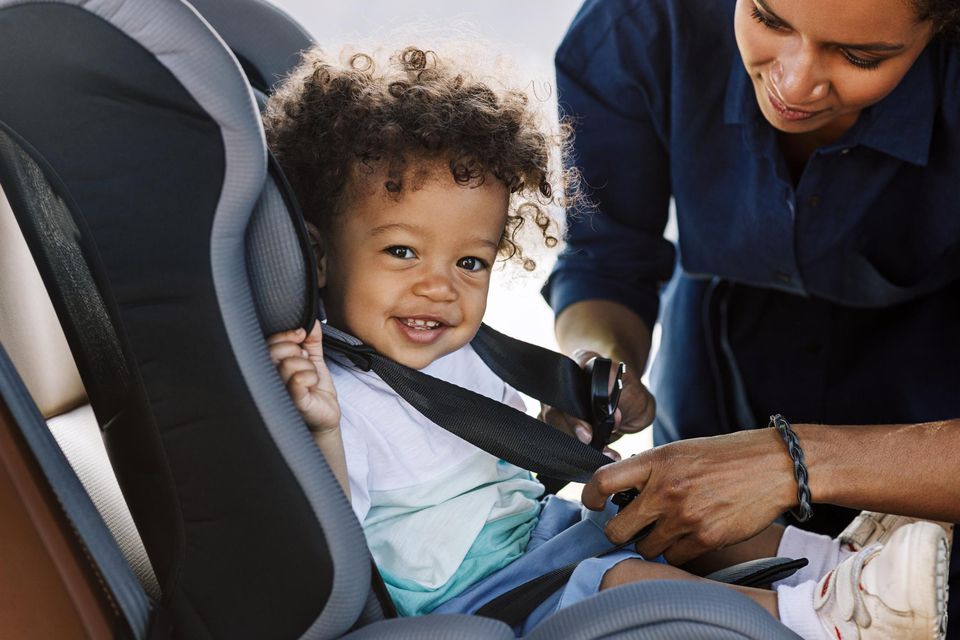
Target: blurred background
526	32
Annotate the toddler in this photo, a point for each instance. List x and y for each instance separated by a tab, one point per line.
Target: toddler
415	177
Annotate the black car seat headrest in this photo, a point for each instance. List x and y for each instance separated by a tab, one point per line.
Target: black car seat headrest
134	159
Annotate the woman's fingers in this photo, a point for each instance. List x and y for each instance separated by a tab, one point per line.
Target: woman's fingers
637	405
684	550
613	478
566	423
702	493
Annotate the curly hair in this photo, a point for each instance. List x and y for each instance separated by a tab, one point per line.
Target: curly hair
331	125
945	15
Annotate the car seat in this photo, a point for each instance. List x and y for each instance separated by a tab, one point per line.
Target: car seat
133	159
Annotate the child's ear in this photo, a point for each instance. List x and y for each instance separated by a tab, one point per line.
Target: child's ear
316	243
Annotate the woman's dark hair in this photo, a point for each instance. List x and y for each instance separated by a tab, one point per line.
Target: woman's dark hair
944	14
332	126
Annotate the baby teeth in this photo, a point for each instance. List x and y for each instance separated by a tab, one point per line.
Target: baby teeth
424	324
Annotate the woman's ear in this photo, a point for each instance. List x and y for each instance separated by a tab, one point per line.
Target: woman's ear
316	243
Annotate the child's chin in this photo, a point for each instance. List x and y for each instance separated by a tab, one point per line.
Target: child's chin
419	358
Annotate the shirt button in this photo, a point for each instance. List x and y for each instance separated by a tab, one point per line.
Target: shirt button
844	152
814	201
783	277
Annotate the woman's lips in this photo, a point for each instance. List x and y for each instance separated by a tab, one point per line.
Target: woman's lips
786	112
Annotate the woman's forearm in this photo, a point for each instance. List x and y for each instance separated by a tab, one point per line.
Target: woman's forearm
907	469
607	328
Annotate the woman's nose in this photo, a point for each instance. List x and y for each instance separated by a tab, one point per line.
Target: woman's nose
797	79
437	286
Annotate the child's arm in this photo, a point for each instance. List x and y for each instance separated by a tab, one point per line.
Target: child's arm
299	359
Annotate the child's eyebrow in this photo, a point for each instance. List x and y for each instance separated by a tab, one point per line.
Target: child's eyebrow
393	226
409	228
486	242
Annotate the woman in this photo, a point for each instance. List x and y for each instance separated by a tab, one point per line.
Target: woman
812	148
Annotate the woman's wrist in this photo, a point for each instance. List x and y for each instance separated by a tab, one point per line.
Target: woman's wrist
604	327
804	509
815	440
781	484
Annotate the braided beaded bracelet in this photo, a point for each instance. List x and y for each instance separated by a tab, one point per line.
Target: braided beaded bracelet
805	510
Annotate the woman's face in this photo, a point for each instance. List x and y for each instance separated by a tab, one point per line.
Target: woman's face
815	64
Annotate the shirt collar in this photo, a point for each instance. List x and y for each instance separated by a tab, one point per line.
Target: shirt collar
900	125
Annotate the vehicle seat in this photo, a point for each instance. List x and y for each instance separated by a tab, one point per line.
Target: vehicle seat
31	334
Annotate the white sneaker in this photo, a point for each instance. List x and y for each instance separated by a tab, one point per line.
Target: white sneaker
896	590
870	527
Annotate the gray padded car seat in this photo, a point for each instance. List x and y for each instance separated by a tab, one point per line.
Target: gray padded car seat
133	158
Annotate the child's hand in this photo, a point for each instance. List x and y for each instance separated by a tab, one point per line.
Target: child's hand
299	359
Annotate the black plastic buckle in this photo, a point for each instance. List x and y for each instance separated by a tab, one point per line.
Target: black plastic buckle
603	403
604	398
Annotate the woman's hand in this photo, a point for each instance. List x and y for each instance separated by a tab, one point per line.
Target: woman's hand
704	493
635	410
299	359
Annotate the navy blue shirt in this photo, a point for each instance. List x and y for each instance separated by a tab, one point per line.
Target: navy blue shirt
834	300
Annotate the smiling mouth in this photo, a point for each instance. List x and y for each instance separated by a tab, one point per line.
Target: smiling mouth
788	113
422	331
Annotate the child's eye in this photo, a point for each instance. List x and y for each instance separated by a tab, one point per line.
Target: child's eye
404	253
471	264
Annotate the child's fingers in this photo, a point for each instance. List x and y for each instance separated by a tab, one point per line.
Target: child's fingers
313	342
301	383
294	335
289	367
283	350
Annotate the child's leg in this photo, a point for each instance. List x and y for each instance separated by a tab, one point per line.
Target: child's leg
822	552
765	544
636	570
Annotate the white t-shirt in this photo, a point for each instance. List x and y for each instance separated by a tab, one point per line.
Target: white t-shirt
438	512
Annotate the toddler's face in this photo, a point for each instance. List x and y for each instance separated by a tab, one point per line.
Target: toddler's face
410	276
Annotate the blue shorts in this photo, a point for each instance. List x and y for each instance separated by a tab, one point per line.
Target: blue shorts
566	533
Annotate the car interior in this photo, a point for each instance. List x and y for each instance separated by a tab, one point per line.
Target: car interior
155	479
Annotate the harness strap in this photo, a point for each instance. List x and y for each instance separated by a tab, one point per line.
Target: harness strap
496	428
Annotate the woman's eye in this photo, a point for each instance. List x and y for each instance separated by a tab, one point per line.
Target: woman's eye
767	21
863	63
404	253
471	264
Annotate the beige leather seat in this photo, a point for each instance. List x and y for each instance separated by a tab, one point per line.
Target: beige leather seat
31	335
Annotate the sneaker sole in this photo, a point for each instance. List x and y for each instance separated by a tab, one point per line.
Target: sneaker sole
928	544
942	579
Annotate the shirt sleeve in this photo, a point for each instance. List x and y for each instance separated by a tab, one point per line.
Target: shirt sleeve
613	79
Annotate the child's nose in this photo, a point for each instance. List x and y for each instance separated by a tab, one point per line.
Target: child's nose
437	286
